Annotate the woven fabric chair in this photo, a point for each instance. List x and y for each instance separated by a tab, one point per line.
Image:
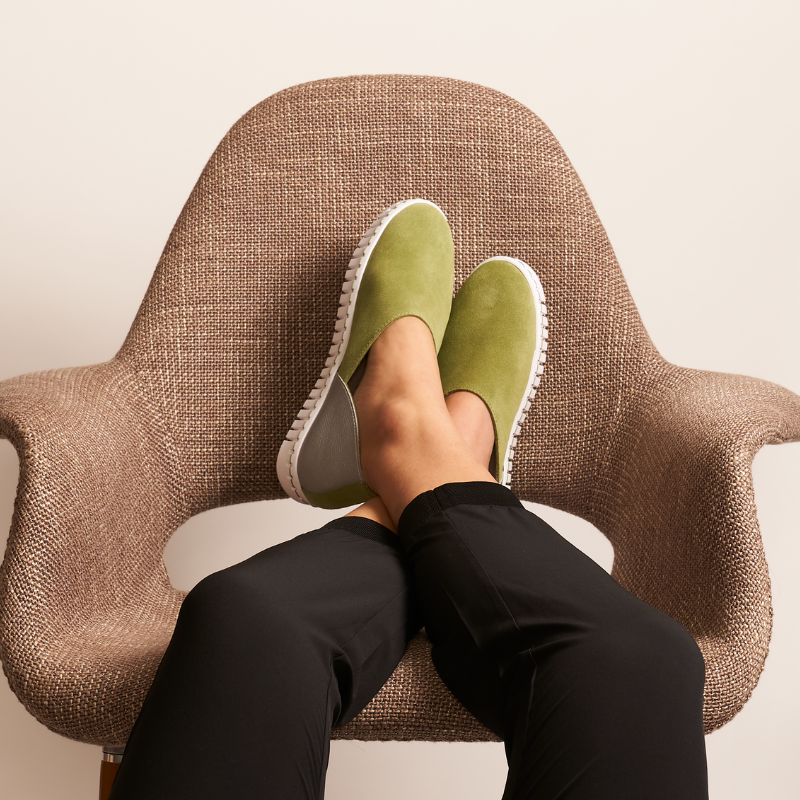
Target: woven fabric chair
189	415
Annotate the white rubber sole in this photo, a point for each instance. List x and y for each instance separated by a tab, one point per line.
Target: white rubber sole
537	362
290	449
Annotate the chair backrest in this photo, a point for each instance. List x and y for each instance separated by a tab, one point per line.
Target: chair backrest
237	320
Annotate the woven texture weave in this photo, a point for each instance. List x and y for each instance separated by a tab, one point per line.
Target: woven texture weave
232	333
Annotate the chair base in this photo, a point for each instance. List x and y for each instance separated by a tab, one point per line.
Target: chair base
112	758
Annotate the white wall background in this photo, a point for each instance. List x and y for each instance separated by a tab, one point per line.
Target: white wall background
681	118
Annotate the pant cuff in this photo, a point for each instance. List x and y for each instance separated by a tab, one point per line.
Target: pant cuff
474	493
367	529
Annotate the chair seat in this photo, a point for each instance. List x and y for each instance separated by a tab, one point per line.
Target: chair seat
414	705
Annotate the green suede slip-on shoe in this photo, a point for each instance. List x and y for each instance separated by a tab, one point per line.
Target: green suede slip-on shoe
403	266
495	347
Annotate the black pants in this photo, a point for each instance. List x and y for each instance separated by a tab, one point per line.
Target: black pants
595	693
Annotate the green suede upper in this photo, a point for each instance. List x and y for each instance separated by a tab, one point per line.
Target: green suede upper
409	273
489	344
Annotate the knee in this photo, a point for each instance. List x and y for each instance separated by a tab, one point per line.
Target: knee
652	649
233	601
240	619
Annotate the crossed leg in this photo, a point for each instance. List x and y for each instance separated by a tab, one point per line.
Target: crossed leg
267	656
596	694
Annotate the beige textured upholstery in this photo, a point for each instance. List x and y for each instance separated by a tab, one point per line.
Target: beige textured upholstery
232	333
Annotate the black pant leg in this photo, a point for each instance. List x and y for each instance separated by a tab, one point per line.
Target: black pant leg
596	694
266	657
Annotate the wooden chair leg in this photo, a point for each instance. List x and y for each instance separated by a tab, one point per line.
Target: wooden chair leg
112	758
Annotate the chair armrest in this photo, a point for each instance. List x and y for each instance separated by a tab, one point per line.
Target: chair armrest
86	605
675	498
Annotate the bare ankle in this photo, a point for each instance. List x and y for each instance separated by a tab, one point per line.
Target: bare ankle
400	386
473	421
386	425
